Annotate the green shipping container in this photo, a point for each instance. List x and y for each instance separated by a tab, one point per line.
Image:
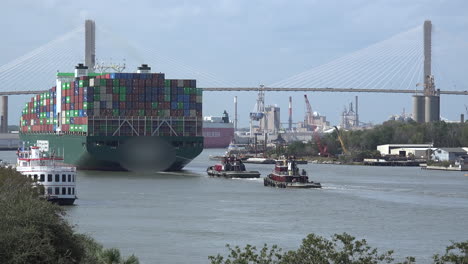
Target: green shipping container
123	90
154	105
85	105
123	97
115	112
141	112
67	98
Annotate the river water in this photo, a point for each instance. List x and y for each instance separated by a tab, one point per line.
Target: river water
185	217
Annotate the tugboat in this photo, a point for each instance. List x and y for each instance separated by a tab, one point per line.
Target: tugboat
231	167
286	175
58	179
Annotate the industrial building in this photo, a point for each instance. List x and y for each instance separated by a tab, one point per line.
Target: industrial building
419	151
449	154
350	116
271	122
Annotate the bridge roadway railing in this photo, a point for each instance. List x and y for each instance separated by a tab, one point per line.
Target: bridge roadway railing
282	89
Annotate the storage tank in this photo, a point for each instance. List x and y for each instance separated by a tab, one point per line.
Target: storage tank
418	108
432	108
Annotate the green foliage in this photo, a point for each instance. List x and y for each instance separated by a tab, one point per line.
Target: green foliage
249	255
441	134
35	231
457	253
341	249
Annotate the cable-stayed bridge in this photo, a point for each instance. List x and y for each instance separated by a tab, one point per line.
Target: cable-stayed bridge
398	64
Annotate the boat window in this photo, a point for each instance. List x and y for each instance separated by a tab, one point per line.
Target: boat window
57	190
69	178
49	190
57	177
49	177
42	178
64	177
69	190
35	177
73	191
64	190
25	163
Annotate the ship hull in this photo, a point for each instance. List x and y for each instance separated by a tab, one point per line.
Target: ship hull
120	153
217	137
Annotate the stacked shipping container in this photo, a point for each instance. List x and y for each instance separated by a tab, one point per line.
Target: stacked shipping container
123	104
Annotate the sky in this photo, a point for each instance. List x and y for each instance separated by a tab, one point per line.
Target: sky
253	42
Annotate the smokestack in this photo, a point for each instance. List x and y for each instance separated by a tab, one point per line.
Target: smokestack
357	113
290	113
462	118
235	113
90	44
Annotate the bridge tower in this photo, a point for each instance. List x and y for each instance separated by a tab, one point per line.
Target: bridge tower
3	114
90	44
426	108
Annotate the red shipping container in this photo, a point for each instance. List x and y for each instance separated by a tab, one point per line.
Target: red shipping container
54	89
81	90
115	97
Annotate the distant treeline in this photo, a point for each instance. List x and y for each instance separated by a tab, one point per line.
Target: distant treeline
363	143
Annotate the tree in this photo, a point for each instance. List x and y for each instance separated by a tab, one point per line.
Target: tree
457	253
343	248
249	255
35	231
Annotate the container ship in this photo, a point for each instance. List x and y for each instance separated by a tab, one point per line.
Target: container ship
117	121
218	131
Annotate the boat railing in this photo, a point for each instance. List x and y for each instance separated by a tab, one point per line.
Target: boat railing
52	168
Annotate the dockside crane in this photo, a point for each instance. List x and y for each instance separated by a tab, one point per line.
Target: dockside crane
323	149
309	116
259	110
345	151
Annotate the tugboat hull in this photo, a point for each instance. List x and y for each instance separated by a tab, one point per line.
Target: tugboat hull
292	185
233	174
